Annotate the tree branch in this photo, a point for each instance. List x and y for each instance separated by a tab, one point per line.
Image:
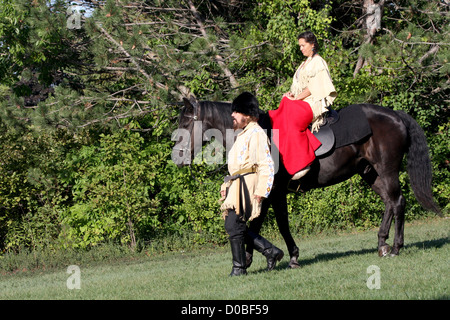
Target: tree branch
122	49
432	50
219	59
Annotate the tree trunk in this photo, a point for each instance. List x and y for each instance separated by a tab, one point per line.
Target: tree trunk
372	23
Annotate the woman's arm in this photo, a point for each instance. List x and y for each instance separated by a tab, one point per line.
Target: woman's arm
302	96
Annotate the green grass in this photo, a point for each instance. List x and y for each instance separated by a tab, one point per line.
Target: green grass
333	267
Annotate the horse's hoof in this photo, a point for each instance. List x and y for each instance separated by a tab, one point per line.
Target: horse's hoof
393	255
394	252
293	264
383	251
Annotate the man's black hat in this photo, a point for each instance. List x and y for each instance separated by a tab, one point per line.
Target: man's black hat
247	104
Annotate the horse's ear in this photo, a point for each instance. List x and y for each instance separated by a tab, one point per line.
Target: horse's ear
187	103
190	103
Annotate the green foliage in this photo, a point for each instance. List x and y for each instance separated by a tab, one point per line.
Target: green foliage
199	206
86	115
440	153
112	184
350	204
33	187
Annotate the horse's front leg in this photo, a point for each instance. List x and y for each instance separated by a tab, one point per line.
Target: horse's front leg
279	203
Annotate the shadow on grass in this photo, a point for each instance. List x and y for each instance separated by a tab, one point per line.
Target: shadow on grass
324	257
428	244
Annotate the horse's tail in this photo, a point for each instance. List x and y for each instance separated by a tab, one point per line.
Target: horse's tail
419	164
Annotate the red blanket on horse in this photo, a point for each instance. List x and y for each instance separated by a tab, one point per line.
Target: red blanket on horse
296	143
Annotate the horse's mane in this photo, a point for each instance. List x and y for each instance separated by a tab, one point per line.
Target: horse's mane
218	113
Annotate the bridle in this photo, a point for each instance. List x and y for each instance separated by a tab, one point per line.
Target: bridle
193	117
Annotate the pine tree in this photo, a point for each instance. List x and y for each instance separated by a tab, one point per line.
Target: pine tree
126	59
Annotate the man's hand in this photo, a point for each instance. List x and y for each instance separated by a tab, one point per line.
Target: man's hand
259	198
223	194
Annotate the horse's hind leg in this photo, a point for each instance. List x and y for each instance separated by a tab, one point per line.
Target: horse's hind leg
388	187
397	203
399	215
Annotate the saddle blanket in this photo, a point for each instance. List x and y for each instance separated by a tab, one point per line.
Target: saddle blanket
352	126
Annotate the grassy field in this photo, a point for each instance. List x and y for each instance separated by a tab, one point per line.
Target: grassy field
333	267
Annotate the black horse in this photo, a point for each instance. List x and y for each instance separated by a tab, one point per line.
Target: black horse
377	159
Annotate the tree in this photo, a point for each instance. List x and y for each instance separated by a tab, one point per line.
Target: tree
126	60
89	100
403	40
371	20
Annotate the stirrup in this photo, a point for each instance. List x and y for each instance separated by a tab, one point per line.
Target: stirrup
291	185
301	173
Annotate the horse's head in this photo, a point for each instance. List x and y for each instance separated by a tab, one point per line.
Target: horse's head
188	130
200	122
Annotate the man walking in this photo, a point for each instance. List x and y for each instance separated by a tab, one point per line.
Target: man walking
250	181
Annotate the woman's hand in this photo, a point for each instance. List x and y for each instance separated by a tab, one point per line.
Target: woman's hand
301	96
289	95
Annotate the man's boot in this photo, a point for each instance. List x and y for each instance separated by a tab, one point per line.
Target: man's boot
239	259
272	253
248	251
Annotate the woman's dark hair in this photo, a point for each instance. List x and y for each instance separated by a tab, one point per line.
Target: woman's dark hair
310	38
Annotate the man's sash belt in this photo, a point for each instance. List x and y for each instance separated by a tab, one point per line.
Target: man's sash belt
239	175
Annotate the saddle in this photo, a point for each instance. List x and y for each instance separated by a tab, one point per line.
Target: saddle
342	128
325	134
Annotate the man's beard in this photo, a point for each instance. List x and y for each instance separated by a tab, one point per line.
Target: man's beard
239	125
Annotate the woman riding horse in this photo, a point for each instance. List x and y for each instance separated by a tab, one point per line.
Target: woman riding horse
312	91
